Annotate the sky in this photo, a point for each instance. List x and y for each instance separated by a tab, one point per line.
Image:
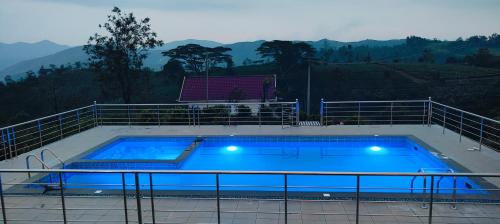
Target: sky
71	22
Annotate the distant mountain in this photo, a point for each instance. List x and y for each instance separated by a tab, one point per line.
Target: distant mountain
241	51
11	54
68	56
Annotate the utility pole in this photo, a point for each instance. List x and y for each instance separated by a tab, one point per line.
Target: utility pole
308	86
206	78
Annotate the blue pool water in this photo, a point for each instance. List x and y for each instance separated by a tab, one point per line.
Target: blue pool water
142	149
272	153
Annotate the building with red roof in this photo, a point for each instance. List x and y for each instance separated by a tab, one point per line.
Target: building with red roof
252	88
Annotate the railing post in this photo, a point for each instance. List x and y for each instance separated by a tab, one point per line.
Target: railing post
198	112
429	112
431	199
392	108
259	113
138	198
423	114
63	203
286	198
454	194
152	198
321	107
217	189
4	146
229	115
461	125
424	191
481	134
282	115
40	132
9	143
158	114
326	114
2	201
60	127
124	190
359	112
191	115
128	114
78	120
13	132
297	112
444	119
357	199
95	113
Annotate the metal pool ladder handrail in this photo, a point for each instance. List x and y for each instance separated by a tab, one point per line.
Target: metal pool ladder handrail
448	170
422	170
42	153
454	194
44	165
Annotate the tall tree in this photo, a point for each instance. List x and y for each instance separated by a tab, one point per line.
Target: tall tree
118	55
196	57
286	54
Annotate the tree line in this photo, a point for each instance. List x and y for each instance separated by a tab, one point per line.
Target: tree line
115	71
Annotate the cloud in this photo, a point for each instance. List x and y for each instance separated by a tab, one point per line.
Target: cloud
165	5
72	21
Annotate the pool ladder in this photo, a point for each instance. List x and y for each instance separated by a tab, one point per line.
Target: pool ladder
44	165
42	160
447	170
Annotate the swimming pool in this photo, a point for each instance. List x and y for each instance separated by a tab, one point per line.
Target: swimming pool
265	153
142	149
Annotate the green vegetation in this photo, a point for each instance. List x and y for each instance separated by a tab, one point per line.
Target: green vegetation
118	56
461	73
472	88
196	58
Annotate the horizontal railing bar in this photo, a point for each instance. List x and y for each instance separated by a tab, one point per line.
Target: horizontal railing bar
50	116
379	101
251	172
466	112
200	104
365	106
55	220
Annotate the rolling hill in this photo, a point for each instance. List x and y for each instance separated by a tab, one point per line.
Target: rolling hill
11	54
240	52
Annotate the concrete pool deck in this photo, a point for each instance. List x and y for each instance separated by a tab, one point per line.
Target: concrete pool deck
240	211
92	209
448	144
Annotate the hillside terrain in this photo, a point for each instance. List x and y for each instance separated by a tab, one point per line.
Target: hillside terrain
409	50
471	88
14	53
241	51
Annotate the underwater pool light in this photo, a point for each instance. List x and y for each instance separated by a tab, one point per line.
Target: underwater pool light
231	148
375	148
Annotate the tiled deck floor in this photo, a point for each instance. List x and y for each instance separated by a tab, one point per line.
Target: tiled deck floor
240	211
178	210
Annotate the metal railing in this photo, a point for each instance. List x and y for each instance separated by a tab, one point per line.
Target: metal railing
483	130
137	191
24	137
271	113
374	112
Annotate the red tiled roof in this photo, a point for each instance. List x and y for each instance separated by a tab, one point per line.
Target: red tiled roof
220	88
